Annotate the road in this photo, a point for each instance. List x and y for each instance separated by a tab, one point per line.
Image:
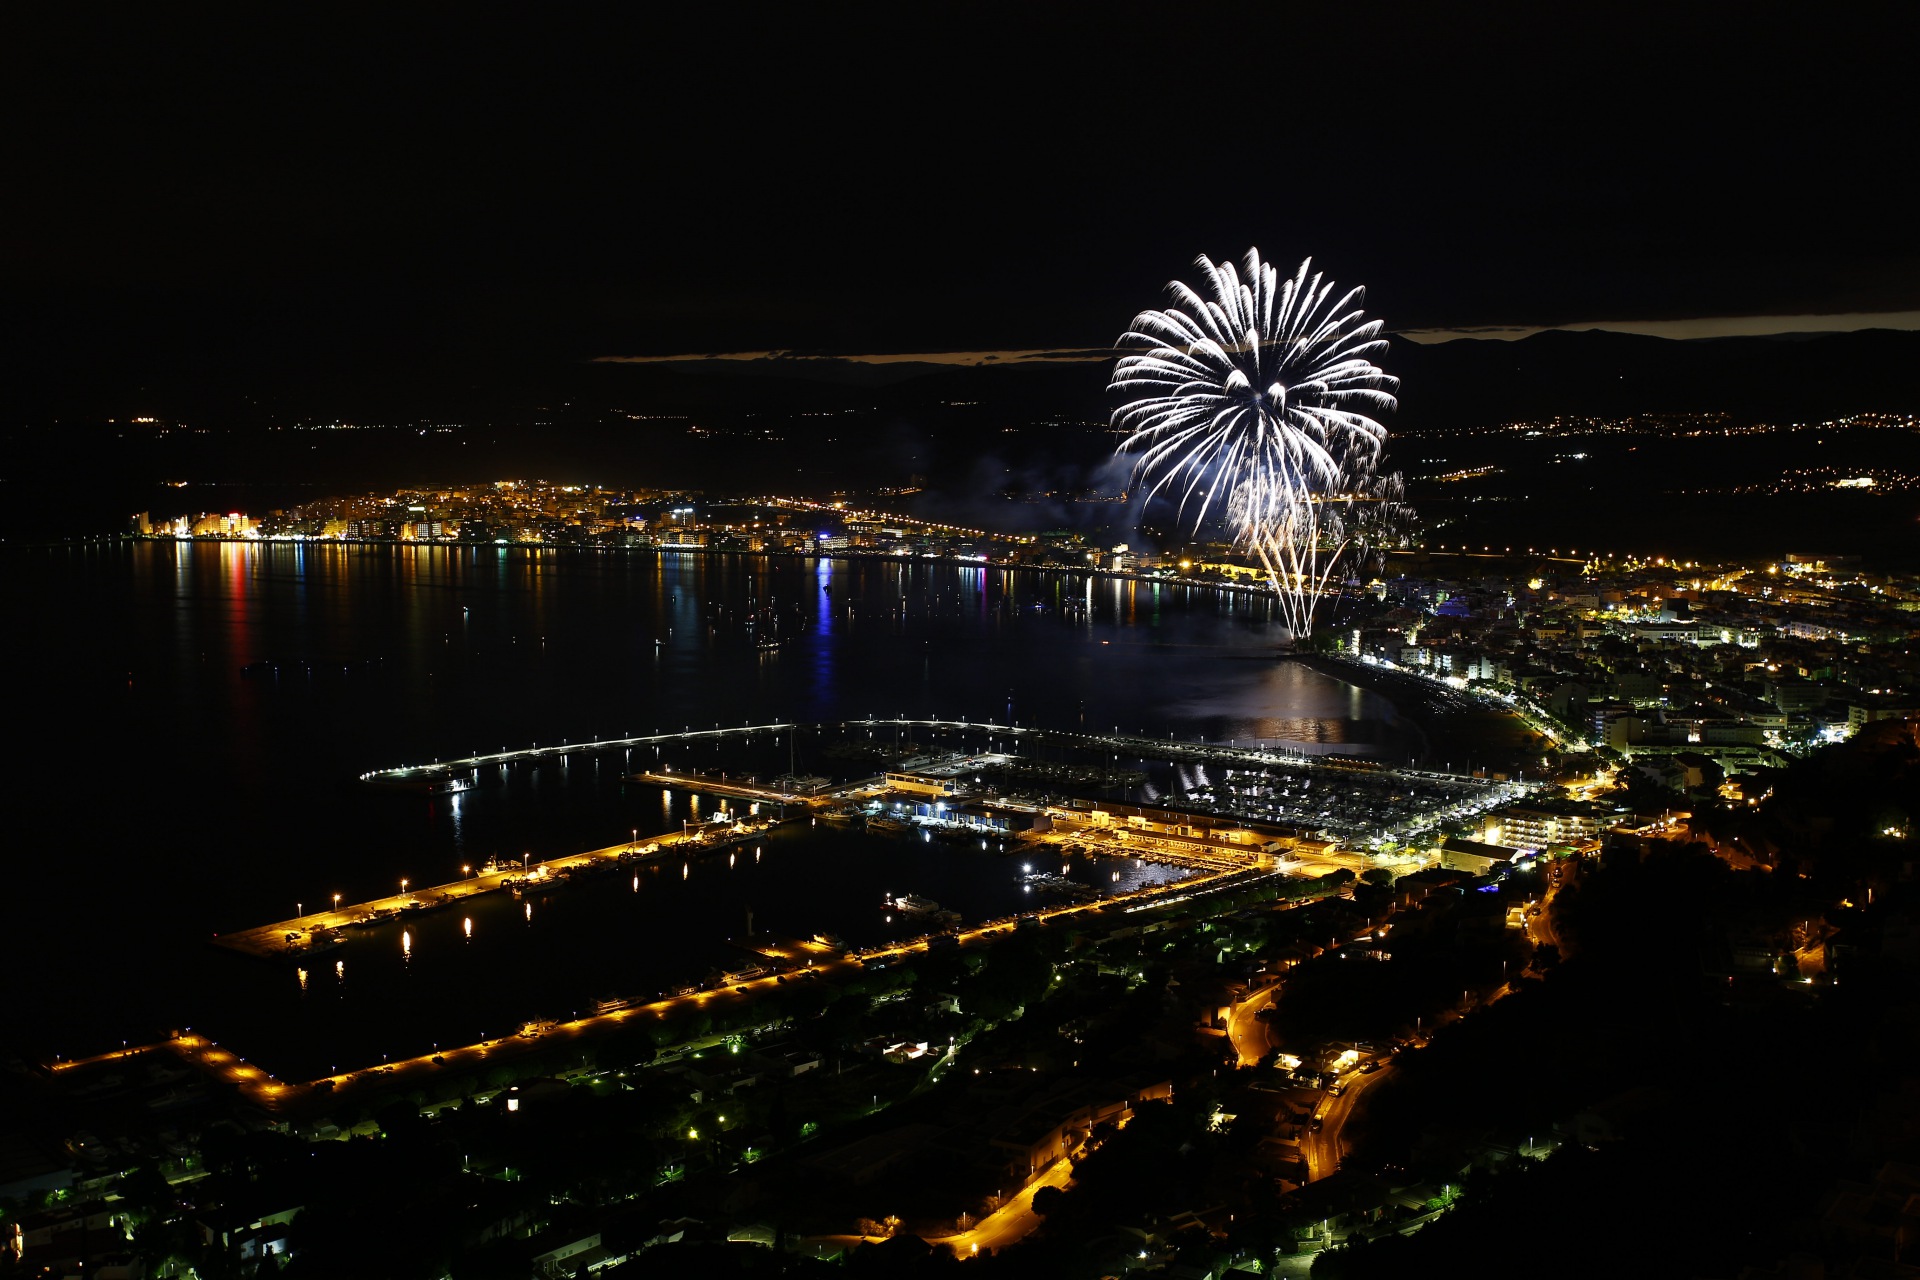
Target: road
1326	1148
1012	1221
477	1055
1540	929
1250	1037
221	1064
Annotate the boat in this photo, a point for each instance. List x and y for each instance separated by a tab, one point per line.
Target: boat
831	941
317	947
913	905
1051	882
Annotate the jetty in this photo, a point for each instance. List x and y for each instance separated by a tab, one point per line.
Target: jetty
320	933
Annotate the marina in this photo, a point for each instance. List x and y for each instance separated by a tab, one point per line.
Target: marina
1265	782
462	949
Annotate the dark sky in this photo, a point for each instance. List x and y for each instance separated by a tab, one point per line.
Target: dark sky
921	178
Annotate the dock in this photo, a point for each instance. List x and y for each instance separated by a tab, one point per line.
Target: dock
737	789
308	936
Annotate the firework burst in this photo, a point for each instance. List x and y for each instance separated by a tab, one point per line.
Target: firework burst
1257	400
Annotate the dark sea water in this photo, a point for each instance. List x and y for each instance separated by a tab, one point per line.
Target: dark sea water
166	786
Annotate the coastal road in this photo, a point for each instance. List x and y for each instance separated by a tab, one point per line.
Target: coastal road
217	1063
273	1094
546	1035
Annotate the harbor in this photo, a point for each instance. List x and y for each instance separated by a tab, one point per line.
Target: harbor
929	850
777	961
532	879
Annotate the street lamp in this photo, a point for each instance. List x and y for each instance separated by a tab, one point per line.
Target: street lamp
336	902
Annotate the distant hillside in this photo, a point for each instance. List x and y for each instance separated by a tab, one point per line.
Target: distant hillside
1472	381
1466	382
972	434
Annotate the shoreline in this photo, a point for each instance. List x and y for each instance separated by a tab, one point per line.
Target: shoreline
1455	730
849	554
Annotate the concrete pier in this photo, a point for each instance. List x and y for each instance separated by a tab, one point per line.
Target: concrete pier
307	937
1127	745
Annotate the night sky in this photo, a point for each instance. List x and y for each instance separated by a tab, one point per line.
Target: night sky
856	181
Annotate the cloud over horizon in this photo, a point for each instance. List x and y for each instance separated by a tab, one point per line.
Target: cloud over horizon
1701	327
1678	330
956	359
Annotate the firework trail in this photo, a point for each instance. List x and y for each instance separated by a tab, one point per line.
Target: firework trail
1257	400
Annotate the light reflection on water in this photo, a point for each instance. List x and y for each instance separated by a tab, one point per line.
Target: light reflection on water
613	938
387	655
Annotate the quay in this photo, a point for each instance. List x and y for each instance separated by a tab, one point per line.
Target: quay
735	789
307	936
442	772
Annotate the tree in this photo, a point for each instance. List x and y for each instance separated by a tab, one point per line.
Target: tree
1047	1201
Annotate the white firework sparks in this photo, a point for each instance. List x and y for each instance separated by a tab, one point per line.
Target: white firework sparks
1259	398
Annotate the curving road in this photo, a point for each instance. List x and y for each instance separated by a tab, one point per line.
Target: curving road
1251	1038
1012	1221
1327	1148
